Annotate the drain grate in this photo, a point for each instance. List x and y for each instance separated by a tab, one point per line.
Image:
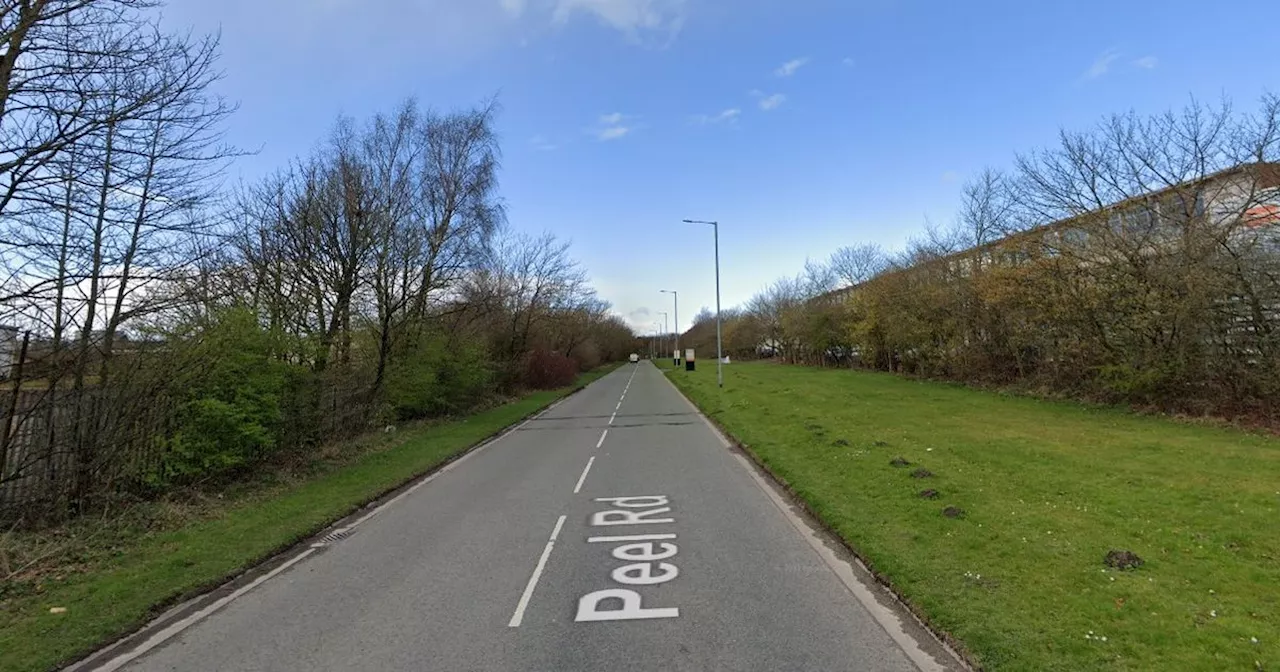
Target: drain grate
333	537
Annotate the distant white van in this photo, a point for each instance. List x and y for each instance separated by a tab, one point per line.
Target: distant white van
635	359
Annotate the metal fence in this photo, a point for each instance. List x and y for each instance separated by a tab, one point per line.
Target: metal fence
63	448
64	443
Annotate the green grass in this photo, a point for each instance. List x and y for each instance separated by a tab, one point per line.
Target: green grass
1048	488
130	582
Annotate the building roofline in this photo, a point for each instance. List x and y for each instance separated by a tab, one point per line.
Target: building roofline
1266	166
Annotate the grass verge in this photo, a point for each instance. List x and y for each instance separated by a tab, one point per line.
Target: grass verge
119	581
1047	489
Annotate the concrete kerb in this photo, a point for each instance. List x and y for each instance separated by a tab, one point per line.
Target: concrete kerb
944	639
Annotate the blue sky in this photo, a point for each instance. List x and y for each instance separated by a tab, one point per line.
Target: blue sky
801	125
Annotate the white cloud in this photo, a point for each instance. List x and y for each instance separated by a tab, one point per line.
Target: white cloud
1147	62
790	67
1101	65
950	177
847	62
542	144
729	116
635	18
773	102
513	7
612	133
612	127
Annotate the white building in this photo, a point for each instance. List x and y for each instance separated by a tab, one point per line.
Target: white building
9	344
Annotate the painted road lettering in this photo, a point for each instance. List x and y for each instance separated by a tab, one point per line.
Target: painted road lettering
644	555
625	515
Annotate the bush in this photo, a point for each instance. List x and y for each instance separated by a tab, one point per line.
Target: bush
546	370
229	413
433	377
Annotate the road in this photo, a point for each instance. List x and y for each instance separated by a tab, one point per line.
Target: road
617	531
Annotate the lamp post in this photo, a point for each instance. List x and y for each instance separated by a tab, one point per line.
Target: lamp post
719	347
676	297
666	334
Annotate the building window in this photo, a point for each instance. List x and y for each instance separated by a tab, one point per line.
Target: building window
1075	237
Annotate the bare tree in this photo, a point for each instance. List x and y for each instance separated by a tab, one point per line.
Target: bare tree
988	209
62	75
857	264
817	279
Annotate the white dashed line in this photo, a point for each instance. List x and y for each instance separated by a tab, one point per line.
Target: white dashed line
518	617
582	479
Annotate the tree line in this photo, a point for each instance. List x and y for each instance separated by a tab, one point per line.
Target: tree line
1134	262
169	329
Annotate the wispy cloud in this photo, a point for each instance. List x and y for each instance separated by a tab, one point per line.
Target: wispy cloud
612	127
773	102
790	67
1101	65
635	18
950	177
847	62
729	116
1147	62
542	144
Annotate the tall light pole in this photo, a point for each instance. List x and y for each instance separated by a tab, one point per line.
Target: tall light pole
666	334
719	347
676	296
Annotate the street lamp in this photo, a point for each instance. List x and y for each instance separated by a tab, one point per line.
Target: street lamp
676	296
666	333
719	347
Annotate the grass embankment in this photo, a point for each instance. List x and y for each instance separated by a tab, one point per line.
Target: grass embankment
1048	488
129	566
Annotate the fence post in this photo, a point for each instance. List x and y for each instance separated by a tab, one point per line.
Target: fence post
13	407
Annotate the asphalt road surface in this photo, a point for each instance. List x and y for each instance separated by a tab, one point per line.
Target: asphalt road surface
615	532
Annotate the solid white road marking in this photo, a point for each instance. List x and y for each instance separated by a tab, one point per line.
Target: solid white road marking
581	479
518	617
629	537
602	435
160	637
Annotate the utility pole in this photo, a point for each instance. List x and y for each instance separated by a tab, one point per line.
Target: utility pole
719	346
676	298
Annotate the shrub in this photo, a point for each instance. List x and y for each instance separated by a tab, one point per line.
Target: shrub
546	370
229	412
433	377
